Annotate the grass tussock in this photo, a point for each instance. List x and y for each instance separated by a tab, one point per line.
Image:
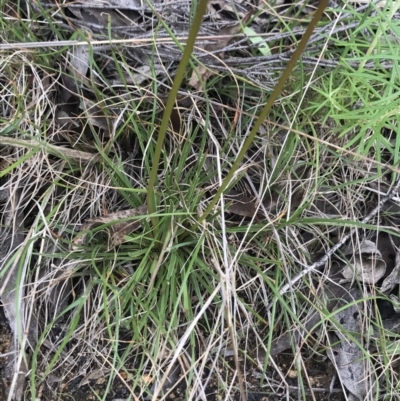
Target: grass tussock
187	305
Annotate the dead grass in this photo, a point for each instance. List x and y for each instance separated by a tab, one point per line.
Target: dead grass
190	312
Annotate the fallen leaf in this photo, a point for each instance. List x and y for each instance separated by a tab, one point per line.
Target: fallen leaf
365	265
394	277
141	74
201	74
77	66
63	119
96	115
353	368
225	5
240	204
78	155
119	229
79	59
97	375
200	77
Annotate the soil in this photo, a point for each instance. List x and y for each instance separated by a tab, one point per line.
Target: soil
72	386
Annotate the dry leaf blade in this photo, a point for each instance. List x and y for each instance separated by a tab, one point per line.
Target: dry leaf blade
118	228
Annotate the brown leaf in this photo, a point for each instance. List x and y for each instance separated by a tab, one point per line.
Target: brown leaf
5	163
216	6
78	155
77	66
10	9
241	205
118	228
100	117
226	34
202	73
199	77
95	375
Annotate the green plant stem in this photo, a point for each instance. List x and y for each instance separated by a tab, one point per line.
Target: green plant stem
151	201
276	92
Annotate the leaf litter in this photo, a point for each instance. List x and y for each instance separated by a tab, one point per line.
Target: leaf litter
202	73
223	49
119	229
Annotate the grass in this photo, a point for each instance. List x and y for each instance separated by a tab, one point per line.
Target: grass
195	287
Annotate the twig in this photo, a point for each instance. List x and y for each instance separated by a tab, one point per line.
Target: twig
328	254
145	40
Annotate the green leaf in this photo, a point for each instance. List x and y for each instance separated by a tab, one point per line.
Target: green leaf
257	40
